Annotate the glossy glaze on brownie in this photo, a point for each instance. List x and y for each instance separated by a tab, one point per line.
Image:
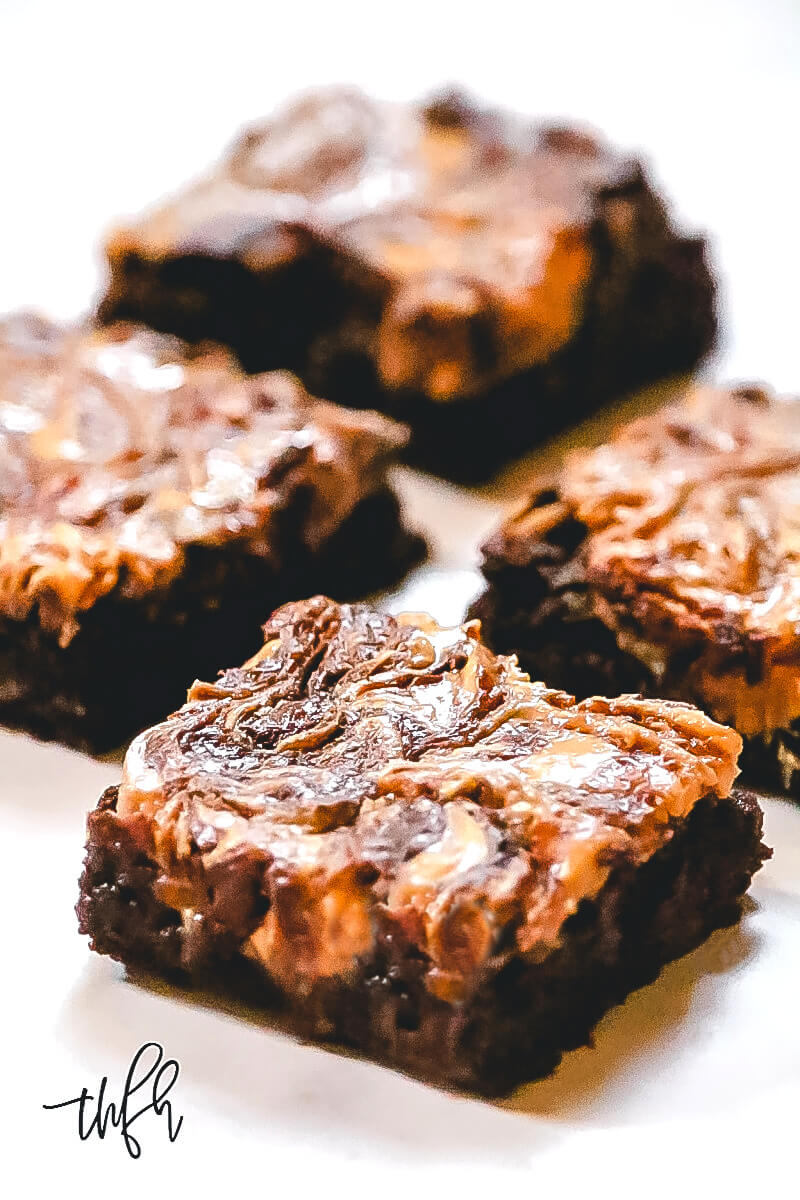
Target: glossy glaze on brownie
373	797
673	552
422	257
144	485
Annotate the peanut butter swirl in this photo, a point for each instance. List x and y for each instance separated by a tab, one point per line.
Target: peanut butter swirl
384	777
472	225
120	447
692	549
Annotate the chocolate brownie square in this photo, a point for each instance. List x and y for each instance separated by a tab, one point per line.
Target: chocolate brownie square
482	277
155	505
668	562
418	852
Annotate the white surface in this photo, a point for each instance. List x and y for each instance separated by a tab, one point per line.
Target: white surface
695	1082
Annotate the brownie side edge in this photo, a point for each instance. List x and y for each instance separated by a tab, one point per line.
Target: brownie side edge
649	313
522	1018
536	604
131	662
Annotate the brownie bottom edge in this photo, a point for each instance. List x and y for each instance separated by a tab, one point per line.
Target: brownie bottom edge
520	1021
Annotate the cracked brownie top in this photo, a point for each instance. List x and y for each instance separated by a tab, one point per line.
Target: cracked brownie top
121	446
394	778
471	227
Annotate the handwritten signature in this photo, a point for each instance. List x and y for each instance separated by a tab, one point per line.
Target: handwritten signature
96	1114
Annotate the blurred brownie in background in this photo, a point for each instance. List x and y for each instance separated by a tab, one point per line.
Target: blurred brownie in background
155	505
668	562
482	277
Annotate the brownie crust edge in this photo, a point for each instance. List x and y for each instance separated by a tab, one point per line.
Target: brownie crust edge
517	1027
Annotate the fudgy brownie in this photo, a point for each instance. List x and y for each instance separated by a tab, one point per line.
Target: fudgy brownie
156	503
482	277
668	562
421	853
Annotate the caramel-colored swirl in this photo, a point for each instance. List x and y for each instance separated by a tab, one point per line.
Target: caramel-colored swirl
394	777
120	447
693	518
472	228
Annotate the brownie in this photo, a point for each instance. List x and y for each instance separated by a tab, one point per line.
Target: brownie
480	276
666	562
156	503
414	849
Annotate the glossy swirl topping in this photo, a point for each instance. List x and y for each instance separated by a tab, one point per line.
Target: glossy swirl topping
692	550
473	226
387	777
120	447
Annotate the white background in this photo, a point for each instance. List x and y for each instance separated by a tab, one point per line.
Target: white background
695	1083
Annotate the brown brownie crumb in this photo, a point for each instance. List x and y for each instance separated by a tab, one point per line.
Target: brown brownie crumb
422	853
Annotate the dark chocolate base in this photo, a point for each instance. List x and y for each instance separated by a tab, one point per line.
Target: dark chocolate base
648	313
773	763
131	662
540	610
523	1017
